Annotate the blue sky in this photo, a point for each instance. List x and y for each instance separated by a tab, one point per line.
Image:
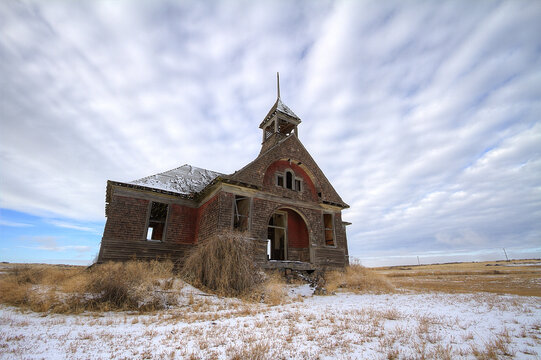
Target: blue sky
426	116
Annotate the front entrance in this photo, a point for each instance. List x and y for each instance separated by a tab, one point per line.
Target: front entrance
287	237
277	240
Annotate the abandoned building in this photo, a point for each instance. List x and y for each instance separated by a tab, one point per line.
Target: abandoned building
282	200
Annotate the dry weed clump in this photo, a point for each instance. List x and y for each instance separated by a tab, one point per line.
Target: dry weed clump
272	291
223	264
358	279
133	285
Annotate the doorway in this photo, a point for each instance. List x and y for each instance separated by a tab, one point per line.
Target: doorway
287	237
277	236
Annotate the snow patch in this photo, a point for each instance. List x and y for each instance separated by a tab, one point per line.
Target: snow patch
183	180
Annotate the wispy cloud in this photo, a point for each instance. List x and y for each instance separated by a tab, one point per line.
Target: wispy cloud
425	116
14	224
67	225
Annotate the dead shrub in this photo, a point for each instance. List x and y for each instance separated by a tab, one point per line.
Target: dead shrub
224	264
358	279
129	286
133	285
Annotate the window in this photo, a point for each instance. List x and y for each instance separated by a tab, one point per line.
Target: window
280	180
156	221
289	180
241	213
329	230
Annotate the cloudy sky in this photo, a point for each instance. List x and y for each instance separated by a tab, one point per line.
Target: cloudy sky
425	115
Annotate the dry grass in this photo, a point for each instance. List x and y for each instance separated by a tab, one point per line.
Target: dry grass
223	264
518	277
272	291
212	327
132	285
358	279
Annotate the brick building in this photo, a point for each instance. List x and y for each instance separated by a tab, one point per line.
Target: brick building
281	199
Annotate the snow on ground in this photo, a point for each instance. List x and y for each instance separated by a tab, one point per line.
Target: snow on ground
343	326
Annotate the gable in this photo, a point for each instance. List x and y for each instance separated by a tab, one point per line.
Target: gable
293	150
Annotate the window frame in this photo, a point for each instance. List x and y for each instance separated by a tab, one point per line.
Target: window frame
325	229
282	228
236	214
282	177
290	179
149	220
298	181
279	176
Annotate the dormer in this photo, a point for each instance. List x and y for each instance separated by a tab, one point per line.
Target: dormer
279	123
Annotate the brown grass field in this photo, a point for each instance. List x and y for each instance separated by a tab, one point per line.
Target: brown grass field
518	277
144	310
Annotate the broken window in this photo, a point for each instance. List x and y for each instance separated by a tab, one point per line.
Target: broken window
280	180
329	229
289	180
156	221
241	214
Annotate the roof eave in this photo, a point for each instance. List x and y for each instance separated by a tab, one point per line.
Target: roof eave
190	196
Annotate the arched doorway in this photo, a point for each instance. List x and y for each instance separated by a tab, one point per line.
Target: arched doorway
288	237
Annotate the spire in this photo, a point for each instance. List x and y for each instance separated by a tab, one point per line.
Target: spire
278	83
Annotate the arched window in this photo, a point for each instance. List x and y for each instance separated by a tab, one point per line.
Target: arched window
289	180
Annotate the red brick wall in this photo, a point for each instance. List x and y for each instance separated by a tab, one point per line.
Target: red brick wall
215	215
324	255
127	219
182	223
124	237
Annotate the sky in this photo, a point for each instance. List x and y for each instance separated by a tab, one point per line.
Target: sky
424	115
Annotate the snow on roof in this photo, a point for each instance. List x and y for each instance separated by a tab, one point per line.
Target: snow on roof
280	106
185	180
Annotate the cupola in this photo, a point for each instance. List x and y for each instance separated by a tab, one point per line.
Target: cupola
279	123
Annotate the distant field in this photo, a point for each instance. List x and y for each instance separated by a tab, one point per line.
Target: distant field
517	277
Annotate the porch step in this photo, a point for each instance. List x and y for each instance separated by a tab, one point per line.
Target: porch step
286	264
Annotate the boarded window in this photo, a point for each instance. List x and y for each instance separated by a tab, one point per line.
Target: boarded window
241	214
156	221
329	230
297	185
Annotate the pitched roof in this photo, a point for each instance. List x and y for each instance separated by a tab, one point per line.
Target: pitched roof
183	180
281	107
